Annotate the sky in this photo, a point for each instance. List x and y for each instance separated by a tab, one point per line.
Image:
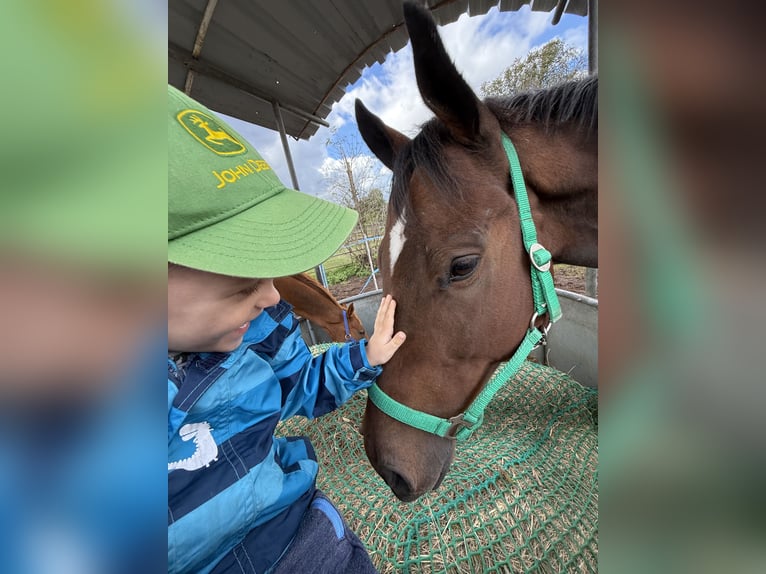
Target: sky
481	47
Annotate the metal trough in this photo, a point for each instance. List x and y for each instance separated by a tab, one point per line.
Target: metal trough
572	342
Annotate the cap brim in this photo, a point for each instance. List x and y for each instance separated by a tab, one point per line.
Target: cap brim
283	235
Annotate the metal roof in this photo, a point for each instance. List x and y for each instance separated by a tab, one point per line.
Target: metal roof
239	56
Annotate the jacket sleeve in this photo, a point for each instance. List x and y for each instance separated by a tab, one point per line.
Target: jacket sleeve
313	386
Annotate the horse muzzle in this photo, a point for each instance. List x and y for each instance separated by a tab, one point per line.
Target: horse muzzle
410	461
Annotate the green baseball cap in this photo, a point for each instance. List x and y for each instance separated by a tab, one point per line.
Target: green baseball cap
228	212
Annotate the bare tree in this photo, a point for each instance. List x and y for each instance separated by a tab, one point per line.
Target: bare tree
354	180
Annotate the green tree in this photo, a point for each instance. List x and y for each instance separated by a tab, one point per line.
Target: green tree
550	64
373	209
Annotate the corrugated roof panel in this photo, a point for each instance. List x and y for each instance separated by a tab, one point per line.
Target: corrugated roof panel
446	12
512	5
302	55
481	7
579	7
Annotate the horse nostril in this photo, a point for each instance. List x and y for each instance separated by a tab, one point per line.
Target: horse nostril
400	486
398	482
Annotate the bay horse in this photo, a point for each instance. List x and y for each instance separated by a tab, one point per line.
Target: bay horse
312	301
453	256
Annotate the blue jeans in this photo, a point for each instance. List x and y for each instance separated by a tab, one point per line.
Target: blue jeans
324	545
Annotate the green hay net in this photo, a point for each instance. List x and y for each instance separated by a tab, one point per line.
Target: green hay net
521	495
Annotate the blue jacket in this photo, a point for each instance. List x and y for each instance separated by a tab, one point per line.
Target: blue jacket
236	494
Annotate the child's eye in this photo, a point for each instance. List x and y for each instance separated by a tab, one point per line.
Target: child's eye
249	290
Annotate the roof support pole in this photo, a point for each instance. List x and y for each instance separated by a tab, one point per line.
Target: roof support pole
319	269
285	147
591	275
207	16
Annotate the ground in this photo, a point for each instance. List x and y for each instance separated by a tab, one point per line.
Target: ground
566	277
350	287
571	278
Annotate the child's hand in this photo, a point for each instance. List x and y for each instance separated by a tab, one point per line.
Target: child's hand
383	343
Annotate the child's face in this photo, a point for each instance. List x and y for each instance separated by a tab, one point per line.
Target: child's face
68	330
208	312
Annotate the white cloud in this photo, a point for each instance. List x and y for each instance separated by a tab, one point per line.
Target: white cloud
481	47
502	36
577	37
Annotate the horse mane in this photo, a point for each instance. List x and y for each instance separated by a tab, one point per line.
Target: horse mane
568	105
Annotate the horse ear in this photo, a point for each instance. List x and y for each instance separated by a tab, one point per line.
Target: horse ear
382	140
350	309
442	87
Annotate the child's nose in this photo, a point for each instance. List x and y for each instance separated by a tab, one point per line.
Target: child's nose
270	295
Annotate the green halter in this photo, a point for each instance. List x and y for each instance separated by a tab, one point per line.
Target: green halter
546	301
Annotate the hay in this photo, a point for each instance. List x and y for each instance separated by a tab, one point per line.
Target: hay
521	495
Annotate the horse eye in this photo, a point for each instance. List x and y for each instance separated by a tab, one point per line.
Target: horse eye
463	267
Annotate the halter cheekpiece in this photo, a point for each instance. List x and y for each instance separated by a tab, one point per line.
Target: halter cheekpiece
546	303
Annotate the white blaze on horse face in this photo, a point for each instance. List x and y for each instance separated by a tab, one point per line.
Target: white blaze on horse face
396	241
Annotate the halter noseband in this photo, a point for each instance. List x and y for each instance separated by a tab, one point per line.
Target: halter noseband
546	302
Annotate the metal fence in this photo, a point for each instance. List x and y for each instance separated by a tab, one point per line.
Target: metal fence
356	260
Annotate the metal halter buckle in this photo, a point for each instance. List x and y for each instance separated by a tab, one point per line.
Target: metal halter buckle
534	248
535	317
455	423
544	329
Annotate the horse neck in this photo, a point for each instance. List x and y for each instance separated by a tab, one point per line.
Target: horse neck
560	168
555	132
313	301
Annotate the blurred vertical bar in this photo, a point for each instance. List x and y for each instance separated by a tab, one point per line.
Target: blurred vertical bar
591	275
83	230
592	36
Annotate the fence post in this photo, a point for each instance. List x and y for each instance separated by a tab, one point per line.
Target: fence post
321	275
369	260
591	282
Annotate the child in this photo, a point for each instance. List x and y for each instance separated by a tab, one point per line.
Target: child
239	499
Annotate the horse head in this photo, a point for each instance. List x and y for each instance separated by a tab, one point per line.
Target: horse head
355	327
452	255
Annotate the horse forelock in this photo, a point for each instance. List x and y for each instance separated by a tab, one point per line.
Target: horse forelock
426	152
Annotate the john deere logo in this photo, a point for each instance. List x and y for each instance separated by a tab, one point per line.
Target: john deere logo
207	131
